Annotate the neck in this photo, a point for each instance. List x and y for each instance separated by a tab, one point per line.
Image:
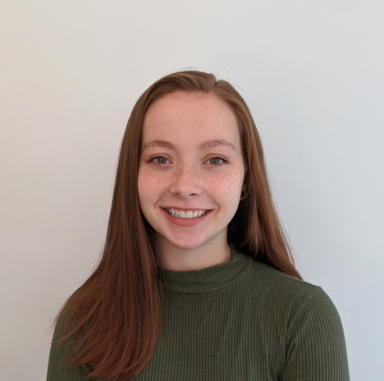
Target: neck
180	259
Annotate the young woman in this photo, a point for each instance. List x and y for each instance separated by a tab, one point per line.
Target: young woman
196	281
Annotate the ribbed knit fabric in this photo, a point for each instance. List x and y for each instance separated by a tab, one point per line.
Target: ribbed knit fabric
241	320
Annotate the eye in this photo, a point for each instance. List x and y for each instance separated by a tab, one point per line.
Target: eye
160	160
216	161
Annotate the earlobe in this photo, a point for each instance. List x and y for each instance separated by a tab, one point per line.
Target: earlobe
243	193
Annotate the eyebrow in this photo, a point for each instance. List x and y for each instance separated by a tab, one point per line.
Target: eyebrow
207	144
217	142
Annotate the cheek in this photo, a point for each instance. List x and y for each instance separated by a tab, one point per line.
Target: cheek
150	186
227	187
143	185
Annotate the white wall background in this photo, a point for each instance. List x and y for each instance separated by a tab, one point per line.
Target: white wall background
70	72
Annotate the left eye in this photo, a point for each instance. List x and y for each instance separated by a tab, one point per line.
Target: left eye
160	160
216	161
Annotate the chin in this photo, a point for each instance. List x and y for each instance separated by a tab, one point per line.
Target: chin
183	243
186	245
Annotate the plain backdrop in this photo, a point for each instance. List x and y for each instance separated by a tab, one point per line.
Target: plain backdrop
70	72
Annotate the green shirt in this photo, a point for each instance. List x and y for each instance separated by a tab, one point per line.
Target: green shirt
241	320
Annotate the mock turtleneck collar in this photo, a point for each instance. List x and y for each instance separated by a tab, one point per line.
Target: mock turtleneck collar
208	279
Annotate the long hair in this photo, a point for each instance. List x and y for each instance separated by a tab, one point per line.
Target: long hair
114	318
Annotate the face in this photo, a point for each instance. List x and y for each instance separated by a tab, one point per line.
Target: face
191	170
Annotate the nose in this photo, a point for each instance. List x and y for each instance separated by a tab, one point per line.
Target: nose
185	181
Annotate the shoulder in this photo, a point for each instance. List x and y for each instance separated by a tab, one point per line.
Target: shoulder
305	318
61	352
287	297
270	280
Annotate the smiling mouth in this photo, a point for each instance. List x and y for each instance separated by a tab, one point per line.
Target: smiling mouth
186	214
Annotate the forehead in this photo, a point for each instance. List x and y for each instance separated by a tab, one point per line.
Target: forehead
190	116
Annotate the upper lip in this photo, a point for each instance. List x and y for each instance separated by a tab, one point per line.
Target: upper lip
184	209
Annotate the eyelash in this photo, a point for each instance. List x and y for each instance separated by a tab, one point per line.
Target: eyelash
158	157
223	161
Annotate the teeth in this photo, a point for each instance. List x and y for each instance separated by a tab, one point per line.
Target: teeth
188	214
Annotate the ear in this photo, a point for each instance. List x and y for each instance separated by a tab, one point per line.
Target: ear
243	192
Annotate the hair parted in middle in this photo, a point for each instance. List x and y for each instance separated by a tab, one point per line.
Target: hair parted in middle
120	303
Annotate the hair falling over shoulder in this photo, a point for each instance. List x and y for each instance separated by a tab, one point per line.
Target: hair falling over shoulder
114	319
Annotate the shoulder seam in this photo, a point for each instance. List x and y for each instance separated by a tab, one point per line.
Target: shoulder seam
282	275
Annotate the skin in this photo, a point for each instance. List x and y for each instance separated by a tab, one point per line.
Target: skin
191	159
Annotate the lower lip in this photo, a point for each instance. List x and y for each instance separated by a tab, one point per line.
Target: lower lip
185	221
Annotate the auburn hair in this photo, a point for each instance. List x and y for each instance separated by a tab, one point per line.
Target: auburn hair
113	320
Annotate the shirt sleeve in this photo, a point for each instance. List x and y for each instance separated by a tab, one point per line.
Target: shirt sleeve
59	353
315	347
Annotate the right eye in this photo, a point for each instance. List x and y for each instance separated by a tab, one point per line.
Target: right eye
160	160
